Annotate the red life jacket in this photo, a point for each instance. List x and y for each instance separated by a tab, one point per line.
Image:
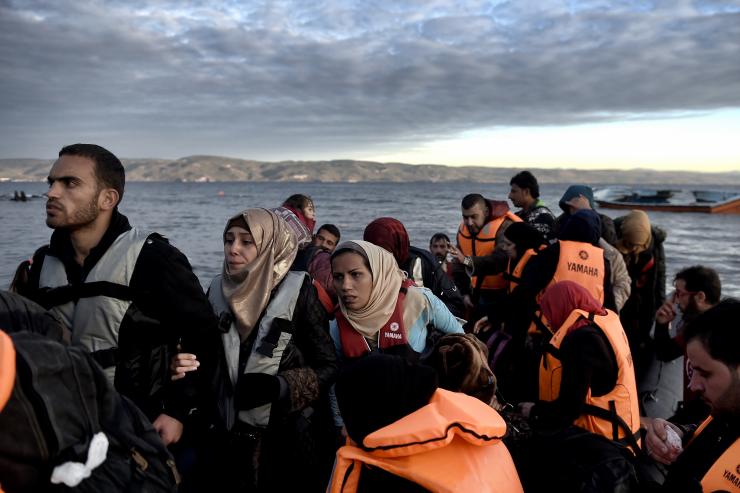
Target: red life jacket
392	333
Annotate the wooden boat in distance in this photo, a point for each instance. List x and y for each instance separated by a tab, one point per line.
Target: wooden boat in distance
707	201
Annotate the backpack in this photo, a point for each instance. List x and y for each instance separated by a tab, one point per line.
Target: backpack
60	400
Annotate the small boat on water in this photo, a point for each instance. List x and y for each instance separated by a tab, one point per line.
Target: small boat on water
667	200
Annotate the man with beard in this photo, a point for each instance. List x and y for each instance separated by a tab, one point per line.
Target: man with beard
697	289
710	460
127	296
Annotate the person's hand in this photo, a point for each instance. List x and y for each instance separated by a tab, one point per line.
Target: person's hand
181	364
666	313
169	429
658	442
481	325
468	302
455	253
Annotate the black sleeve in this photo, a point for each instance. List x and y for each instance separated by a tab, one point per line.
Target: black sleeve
311	337
666	347
490	265
166	289
609	301
523	300
588	362
460	277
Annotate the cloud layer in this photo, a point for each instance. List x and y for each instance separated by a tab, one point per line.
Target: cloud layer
289	79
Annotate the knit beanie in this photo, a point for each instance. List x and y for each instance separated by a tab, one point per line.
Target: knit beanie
574	191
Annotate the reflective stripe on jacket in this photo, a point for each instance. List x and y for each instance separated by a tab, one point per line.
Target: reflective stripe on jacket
451	444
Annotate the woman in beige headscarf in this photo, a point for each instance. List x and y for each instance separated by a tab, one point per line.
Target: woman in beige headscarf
277	362
641	245
377	308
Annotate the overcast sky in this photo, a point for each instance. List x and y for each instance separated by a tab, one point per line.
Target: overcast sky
532	83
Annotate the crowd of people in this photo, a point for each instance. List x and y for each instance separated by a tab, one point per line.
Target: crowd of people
518	356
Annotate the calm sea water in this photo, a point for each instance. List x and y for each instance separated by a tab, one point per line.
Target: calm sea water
193	215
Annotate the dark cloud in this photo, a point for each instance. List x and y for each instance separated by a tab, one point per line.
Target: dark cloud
287	79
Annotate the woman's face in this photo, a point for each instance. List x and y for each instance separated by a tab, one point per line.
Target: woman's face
308	211
239	248
353	281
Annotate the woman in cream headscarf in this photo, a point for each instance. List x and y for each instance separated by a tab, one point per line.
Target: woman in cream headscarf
277	362
641	245
377	308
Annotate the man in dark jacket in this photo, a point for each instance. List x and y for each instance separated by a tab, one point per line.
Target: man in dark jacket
525	193
127	296
580	197
706	459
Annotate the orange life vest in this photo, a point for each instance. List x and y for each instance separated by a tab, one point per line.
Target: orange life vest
615	415
515	275
483	244
581	263
7	368
724	474
451	444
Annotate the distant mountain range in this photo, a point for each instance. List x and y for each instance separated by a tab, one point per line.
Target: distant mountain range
216	168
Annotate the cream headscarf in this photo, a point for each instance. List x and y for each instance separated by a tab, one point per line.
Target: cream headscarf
248	291
387	279
636	234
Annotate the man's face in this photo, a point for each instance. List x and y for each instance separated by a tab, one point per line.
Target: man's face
325	240
717	383
475	217
578	203
73	194
439	249
686	300
520	197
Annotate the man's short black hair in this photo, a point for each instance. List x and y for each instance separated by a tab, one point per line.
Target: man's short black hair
525	179
471	199
718	329
331	229
108	168
437	237
700	278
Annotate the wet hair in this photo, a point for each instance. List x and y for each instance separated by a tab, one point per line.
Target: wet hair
298	201
108	168
718	331
437	237
525	179
700	278
331	229
472	199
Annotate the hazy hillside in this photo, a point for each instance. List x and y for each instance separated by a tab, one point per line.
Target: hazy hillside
215	168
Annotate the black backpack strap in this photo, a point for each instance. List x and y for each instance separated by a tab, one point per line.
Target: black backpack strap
106	358
50	297
630	438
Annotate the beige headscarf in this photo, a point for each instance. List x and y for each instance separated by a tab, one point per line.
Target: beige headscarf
636	234
387	279
248	291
